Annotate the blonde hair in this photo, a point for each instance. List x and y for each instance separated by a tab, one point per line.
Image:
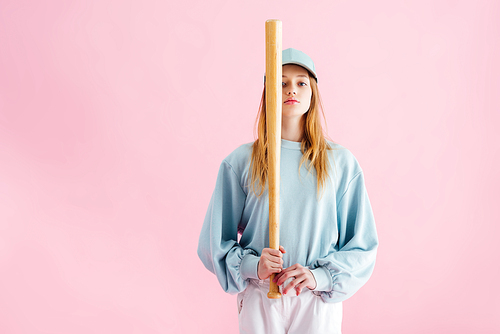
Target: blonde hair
314	146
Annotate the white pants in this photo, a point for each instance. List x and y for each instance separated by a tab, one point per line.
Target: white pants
290	314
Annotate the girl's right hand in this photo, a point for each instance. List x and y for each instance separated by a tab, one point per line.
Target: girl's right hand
270	262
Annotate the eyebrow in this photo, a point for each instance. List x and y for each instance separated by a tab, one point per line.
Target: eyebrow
305	76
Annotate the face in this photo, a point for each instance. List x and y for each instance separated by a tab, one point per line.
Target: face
296	86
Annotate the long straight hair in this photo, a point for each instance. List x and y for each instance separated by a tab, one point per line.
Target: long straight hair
314	146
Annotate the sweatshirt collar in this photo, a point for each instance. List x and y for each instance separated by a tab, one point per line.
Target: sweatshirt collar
293	145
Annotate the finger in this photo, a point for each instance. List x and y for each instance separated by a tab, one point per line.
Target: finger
269	271
273	263
273	259
291	285
282	249
286	274
300	286
281	274
291	268
275	269
276	260
266	266
274	252
267	251
285	277
296	270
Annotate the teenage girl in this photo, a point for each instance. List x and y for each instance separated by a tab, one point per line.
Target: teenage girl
327	229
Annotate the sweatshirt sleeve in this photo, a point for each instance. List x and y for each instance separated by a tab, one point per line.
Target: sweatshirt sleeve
350	262
218	247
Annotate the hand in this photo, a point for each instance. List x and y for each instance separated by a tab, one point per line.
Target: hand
303	278
270	262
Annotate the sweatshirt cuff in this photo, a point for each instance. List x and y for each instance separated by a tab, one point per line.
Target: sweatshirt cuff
248	267
323	279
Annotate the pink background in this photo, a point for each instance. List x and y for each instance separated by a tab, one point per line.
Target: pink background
115	117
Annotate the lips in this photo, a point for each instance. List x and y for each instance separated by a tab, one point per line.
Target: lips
291	101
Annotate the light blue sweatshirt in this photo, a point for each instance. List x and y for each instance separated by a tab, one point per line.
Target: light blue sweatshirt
335	236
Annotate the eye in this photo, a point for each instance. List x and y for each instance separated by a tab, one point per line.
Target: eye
304	83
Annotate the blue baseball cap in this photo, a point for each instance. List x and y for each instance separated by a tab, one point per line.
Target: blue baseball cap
294	56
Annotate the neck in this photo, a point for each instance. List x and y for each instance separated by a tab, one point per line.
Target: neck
292	128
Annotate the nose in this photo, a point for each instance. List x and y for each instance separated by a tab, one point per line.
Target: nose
291	91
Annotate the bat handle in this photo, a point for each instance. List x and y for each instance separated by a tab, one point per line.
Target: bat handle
274	291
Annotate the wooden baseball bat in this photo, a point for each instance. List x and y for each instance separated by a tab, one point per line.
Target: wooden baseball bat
273	116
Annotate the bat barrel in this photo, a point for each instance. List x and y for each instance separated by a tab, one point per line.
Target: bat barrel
273	116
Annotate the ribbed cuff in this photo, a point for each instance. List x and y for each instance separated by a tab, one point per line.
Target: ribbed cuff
248	267
323	279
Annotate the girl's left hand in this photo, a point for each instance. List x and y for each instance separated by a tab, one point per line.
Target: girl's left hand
303	278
